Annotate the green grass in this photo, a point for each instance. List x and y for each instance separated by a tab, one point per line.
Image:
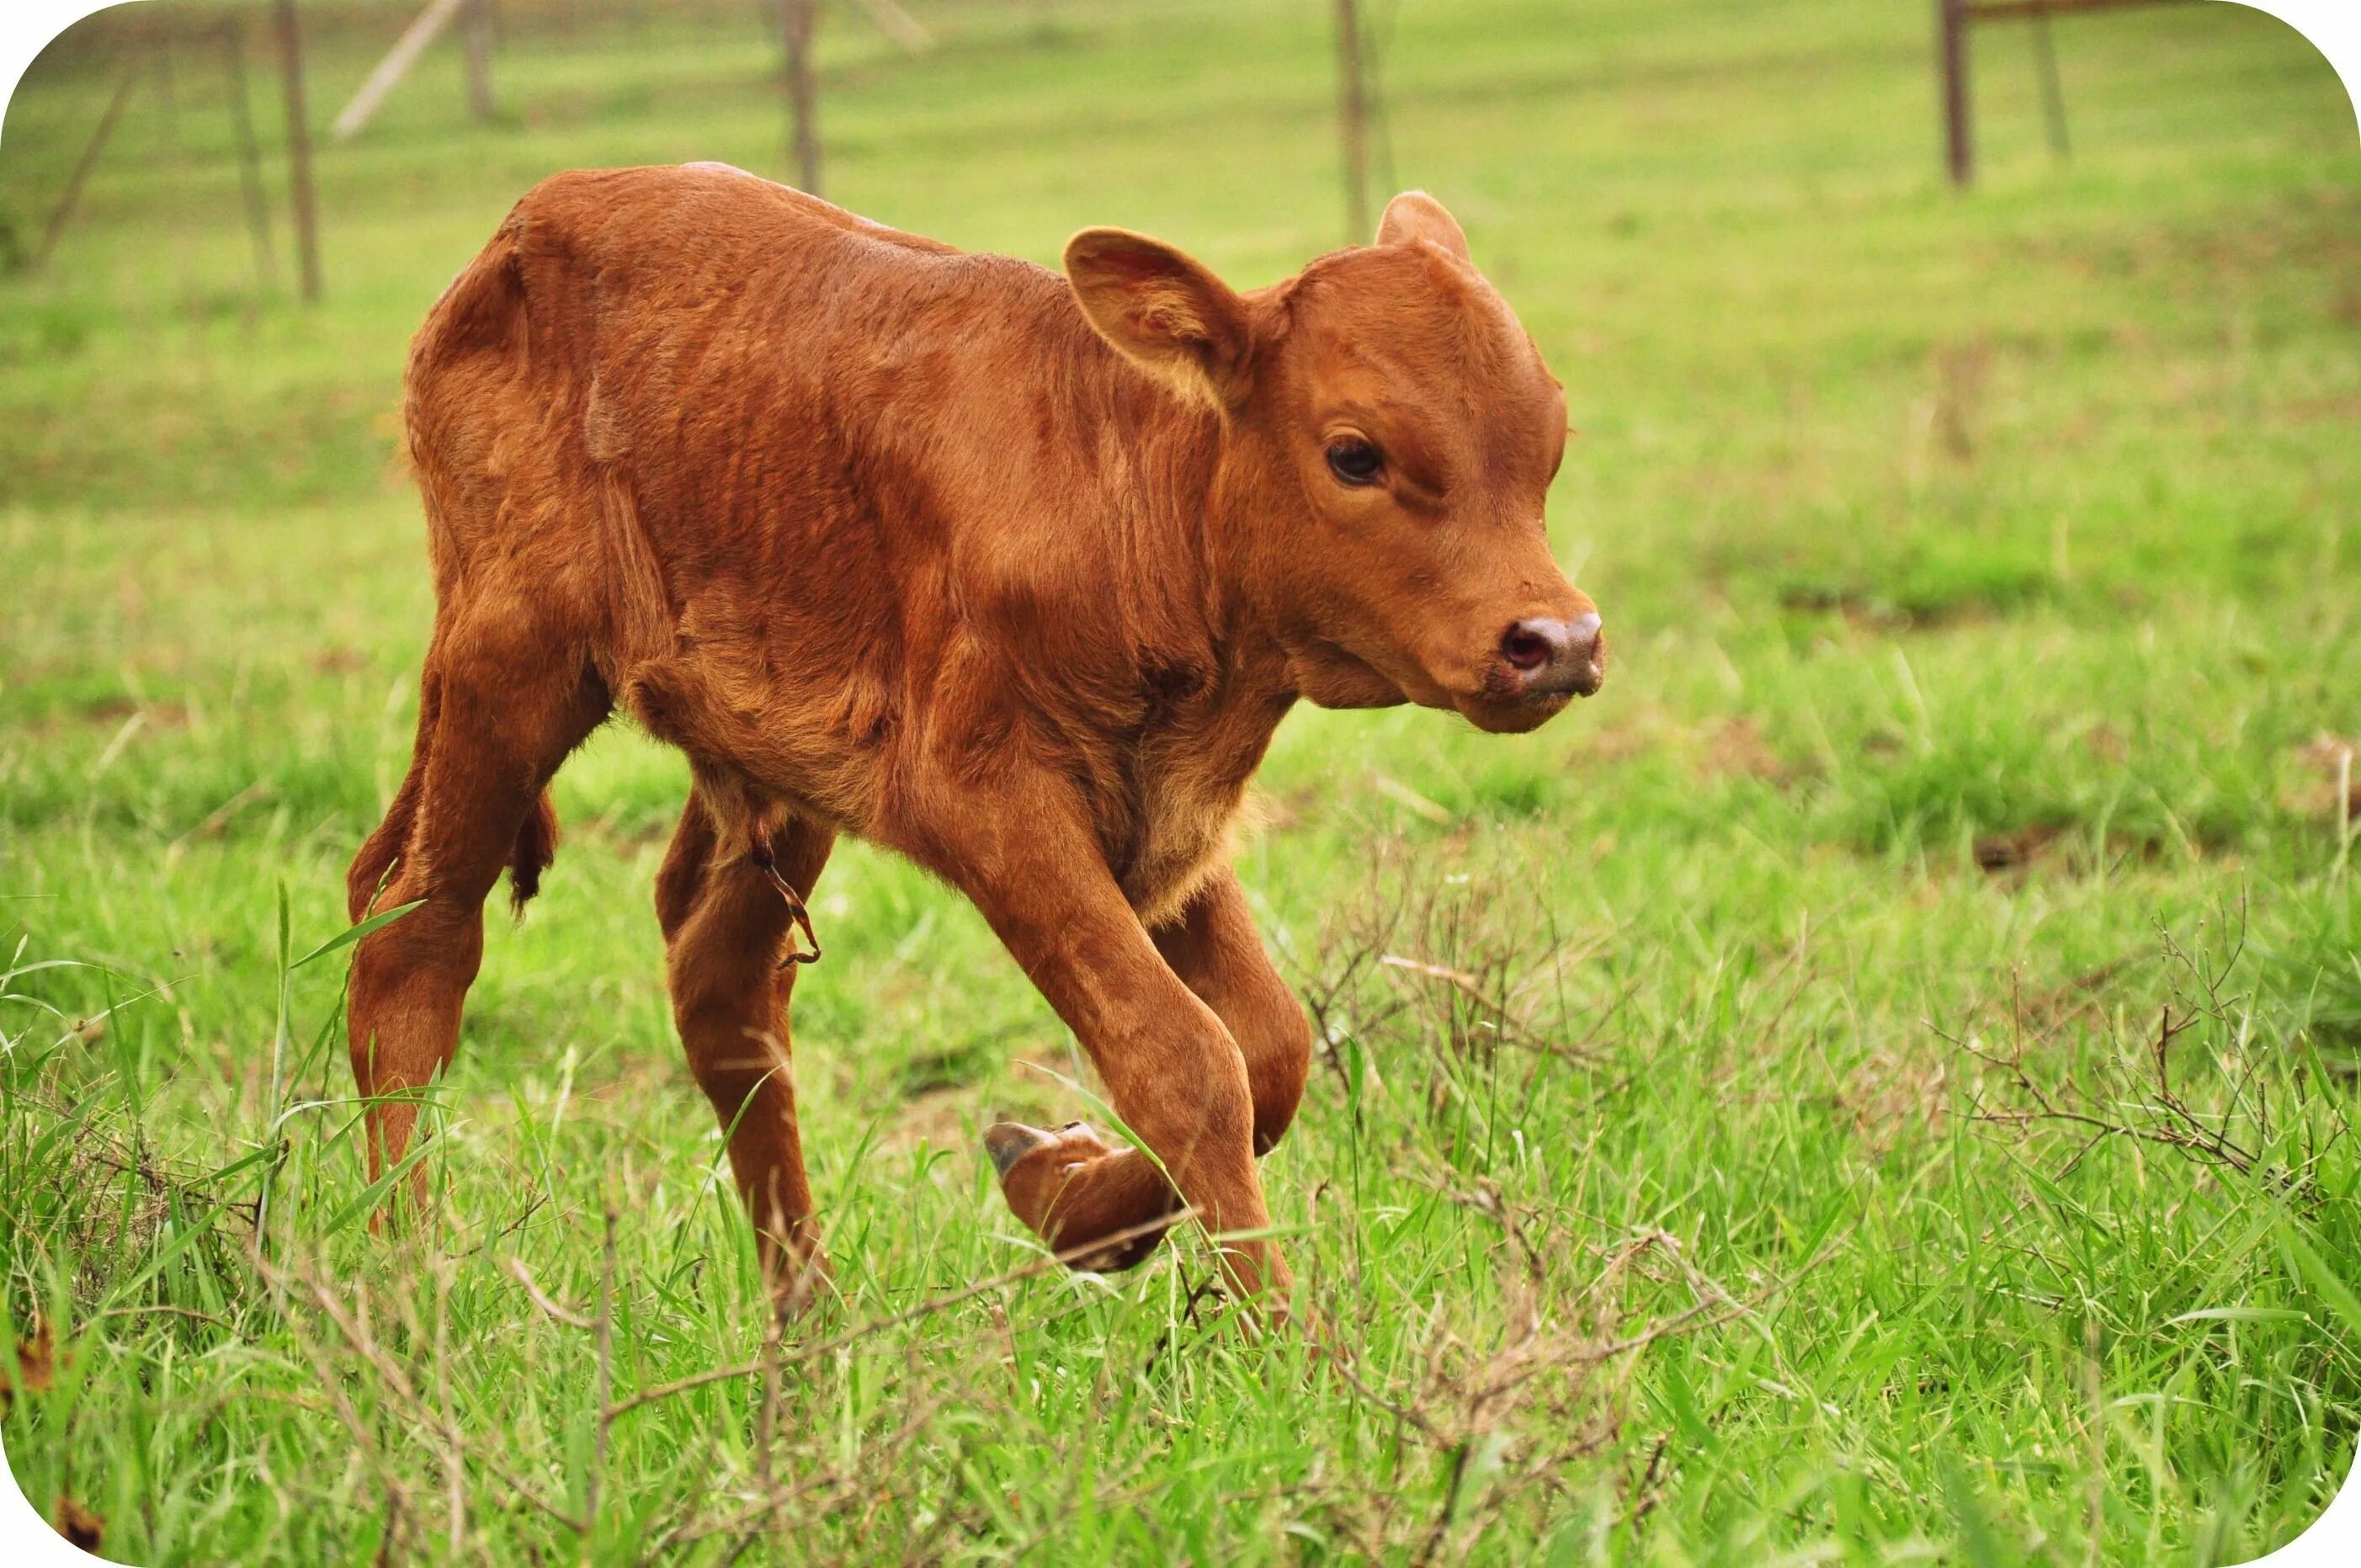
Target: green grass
1776	1183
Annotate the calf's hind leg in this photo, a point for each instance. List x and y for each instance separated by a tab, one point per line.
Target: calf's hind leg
496	726
725	924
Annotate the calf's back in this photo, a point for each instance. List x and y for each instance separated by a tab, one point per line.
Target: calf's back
809	494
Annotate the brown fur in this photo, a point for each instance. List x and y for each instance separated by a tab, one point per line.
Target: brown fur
1013	574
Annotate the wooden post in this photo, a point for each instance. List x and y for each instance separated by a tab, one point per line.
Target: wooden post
1958	137
299	147
249	154
480	59
72	196
174	160
798	19
2053	93
169	104
1953	21
1353	120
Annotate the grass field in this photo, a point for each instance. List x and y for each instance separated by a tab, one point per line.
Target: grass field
1873	1085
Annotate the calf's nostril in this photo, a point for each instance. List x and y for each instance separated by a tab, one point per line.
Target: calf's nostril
1526	648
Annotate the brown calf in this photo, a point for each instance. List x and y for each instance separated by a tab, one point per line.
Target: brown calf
1010	572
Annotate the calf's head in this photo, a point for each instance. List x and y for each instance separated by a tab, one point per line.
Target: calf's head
1390	436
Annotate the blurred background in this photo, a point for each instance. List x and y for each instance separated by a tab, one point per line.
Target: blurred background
1967	473
1855	364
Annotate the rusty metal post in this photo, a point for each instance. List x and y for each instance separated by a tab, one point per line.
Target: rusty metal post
299	147
1353	120
1959	135
798	19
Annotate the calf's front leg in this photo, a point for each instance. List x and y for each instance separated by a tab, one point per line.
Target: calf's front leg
1212	946
1172	1068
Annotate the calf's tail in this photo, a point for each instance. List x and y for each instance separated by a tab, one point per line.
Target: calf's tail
536	845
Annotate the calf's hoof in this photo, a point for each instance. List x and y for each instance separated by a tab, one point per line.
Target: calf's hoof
798	1272
1070	1186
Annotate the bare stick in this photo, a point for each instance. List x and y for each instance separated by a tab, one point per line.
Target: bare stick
72	196
2344	799
395	66
606	1377
900	26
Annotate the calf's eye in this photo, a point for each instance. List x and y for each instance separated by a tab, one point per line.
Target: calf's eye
1355	462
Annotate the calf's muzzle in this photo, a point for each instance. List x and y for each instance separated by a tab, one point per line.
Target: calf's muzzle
1543	656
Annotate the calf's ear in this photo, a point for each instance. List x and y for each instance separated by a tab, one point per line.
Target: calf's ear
1415	216
1162	310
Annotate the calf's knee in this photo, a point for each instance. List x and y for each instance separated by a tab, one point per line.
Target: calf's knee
441	942
1187	1102
1279	1060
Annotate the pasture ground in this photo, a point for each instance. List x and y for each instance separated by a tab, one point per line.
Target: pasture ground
1874	1084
